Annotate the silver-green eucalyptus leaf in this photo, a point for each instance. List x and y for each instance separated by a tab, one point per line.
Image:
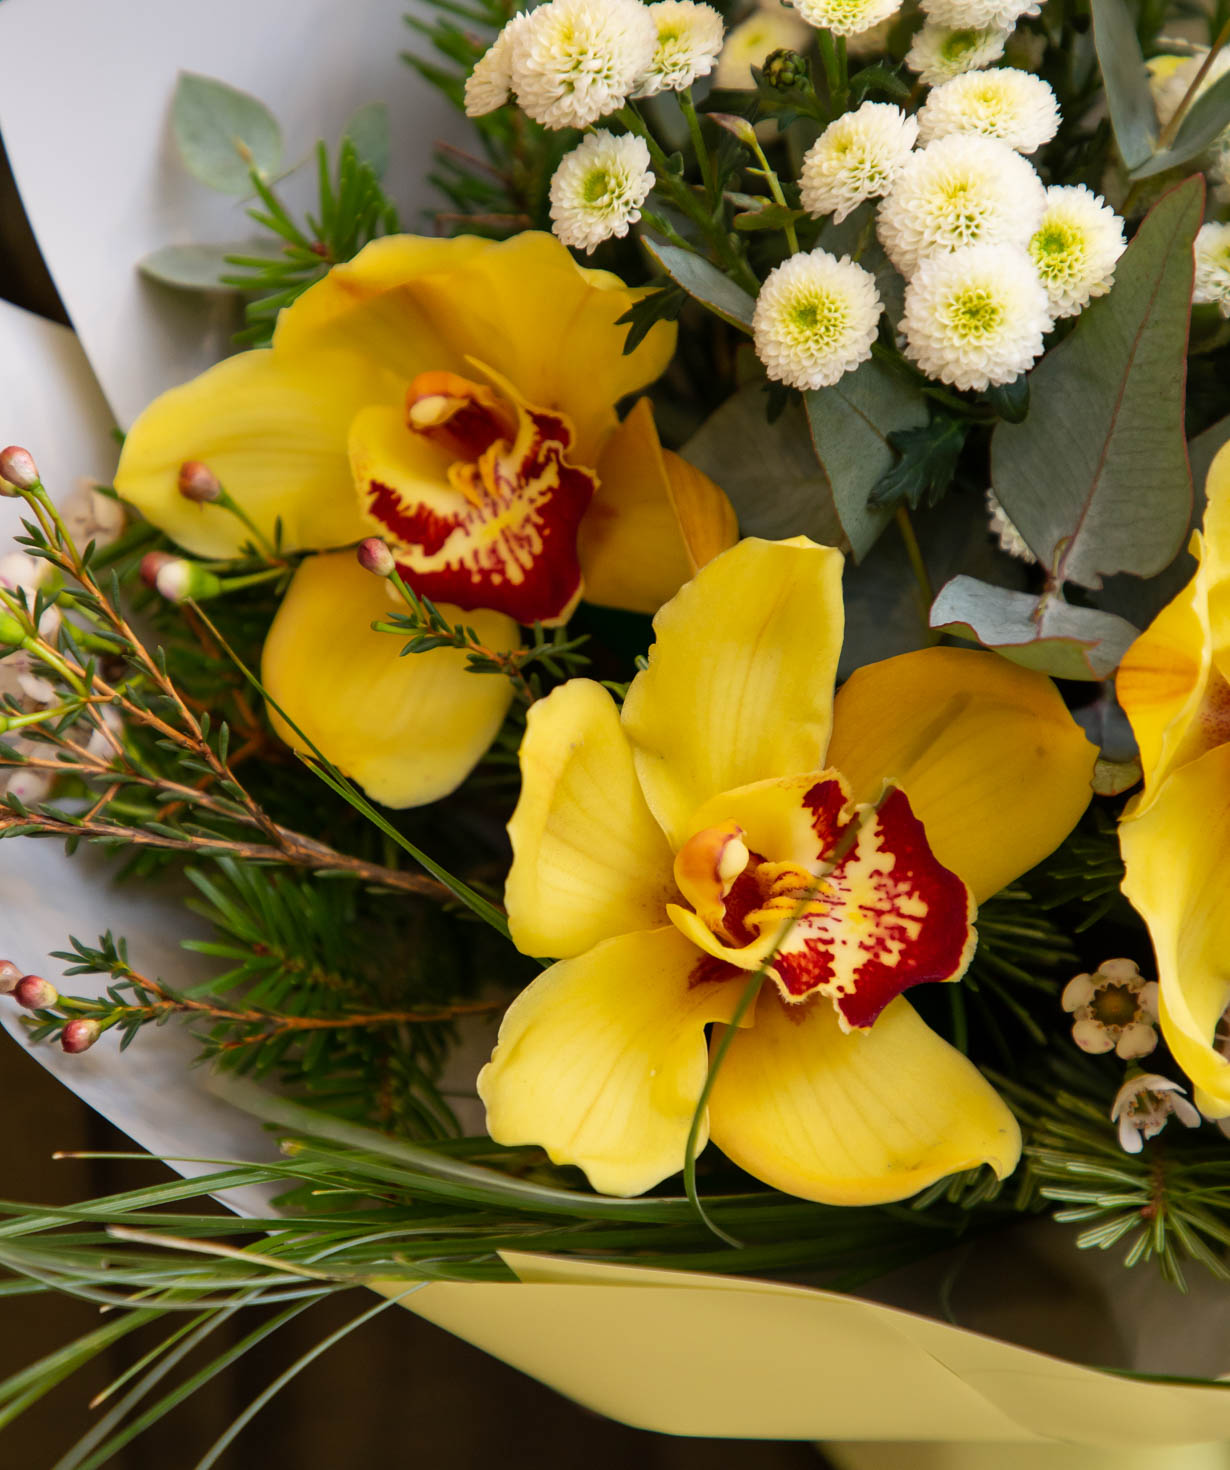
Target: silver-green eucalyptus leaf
705	283
368	129
223	133
202	267
1126	79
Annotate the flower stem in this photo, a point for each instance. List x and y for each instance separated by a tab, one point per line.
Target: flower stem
917	565
1170	131
703	160
775	189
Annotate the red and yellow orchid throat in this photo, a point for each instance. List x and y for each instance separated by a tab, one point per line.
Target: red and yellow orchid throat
479	499
863	915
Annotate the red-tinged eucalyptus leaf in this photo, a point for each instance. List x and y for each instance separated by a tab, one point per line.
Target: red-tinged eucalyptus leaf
1063	641
850	425
1096	478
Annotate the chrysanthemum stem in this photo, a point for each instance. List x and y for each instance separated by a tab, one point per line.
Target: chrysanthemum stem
703	160
1170	131
918	566
775	189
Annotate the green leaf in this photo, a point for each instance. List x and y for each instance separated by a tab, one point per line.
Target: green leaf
368	129
1010	400
201	267
768	216
852	427
1063	641
1096	479
1205	121
769	471
1126	79
705	283
927	464
223	133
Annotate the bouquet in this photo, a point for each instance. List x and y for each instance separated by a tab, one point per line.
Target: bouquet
676	702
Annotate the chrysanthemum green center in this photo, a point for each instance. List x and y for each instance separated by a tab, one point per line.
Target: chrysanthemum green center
817	319
597	186
975	312
1057	250
958	45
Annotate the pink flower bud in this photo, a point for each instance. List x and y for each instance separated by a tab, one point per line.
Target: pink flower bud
9	976
18	468
151	564
198	482
176	578
375	557
35	993
79	1035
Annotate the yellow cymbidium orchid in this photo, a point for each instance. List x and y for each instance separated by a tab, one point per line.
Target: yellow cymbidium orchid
457	398
735	814
1174	684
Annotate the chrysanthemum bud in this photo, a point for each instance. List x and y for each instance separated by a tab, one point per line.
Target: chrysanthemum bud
80	1035
18	468
9	976
35	993
198	482
375	557
785	69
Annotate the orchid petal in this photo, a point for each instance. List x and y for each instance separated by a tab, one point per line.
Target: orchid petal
273	429
589	861
995	767
602	1060
1175	854
653	522
858	1119
408	730
740	679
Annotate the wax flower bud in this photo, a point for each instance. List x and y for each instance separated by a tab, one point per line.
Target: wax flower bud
198	482
18	468
178	579
375	557
79	1036
35	993
9	976
12	632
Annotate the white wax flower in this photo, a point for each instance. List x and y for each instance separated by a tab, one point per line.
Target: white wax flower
689	43
1213	267
574	61
490	84
599	188
748	43
1014	106
975	317
1142	1106
979	15
1076	247
1115	1009
815	319
846	17
939	52
857	157
960	190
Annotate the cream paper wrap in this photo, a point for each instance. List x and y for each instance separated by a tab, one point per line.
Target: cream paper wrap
678	1352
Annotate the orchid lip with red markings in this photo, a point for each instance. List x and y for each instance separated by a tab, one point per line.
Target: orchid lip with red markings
504	536
870	911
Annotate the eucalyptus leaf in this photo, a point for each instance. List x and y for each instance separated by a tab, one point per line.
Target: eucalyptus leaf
769	471
705	283
1063	641
850	425
1206	119
368	129
200	267
223	133
1126	78
1096	479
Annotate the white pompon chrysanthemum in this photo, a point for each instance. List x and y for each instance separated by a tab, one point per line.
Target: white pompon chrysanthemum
599	188
1014	106
938	53
960	190
575	61
1005	532
815	319
846	17
490	84
748	43
975	317
1075	248
979	15
1213	267
689	43
857	157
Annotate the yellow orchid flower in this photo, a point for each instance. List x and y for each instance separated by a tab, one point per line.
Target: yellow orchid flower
659	851
1174	684
457	398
